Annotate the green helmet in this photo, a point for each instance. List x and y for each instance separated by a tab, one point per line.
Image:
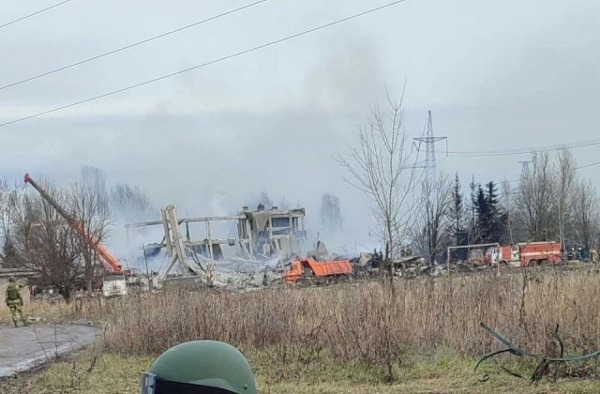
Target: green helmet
200	367
11	279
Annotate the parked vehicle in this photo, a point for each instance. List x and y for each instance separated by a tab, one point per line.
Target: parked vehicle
476	257
311	270
492	256
532	253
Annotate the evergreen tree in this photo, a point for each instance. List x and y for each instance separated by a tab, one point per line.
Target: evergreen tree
491	221
456	212
458	215
473	235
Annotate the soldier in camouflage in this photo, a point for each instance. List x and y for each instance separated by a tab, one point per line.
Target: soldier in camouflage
15	302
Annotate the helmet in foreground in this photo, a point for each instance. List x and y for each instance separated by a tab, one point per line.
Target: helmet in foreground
200	367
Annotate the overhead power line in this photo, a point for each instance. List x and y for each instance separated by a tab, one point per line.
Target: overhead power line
33	14
587	165
576	168
129	46
218	60
520	151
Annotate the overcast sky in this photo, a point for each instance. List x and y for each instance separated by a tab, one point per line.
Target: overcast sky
496	75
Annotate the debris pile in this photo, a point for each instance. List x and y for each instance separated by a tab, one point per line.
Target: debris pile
548	365
243	274
268	251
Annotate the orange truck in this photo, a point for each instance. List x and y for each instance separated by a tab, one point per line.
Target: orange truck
532	253
318	271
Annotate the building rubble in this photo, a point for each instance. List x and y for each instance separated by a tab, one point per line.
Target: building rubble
237	275
266	240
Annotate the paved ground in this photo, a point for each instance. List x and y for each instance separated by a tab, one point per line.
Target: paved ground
24	348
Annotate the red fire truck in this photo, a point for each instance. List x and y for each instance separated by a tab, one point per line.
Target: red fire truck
526	254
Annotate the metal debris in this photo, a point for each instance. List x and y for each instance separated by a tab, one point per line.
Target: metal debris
544	361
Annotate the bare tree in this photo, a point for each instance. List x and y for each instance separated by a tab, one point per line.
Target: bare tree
434	224
565	174
330	212
130	203
382	167
90	205
45	241
508	206
537	198
4	223
10	256
586	216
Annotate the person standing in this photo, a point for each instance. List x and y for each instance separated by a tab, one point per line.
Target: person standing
14	301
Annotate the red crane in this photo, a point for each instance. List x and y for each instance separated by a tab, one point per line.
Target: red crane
111	261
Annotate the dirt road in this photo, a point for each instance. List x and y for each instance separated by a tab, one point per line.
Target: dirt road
24	348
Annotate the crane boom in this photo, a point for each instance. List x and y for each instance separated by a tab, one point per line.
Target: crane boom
78	227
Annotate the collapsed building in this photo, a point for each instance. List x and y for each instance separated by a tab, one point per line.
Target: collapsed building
265	239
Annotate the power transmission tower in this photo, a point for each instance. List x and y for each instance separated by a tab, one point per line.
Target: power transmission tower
429	139
524	168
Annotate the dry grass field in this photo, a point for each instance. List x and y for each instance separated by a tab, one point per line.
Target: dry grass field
368	321
419	335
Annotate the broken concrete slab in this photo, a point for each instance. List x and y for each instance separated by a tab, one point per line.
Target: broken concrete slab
26	348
